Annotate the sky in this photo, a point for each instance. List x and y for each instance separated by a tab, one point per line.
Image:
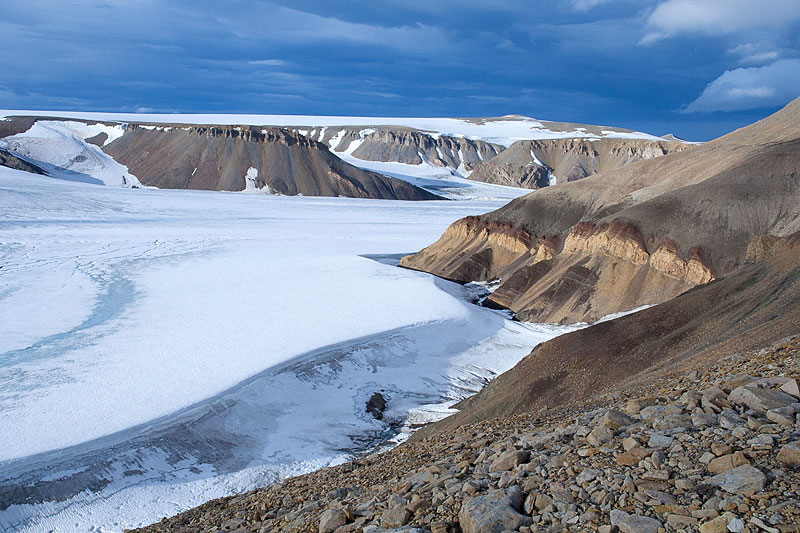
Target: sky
695	68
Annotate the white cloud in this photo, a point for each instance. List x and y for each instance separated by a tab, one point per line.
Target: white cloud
268	62
586	5
282	24
750	88
717	17
755	53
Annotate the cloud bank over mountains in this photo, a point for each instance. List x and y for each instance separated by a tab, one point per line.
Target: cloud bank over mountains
642	64
771	84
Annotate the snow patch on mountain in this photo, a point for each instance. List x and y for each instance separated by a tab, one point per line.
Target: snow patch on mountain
60	148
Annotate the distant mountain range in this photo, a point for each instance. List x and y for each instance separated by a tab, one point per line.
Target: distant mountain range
318	156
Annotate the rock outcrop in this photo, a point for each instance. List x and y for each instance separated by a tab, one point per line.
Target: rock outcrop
638	235
9	160
221	158
404	145
538	163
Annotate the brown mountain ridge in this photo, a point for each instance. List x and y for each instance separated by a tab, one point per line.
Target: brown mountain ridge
638	235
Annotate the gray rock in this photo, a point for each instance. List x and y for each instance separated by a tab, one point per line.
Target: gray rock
395	516
714	399
677	521
614	419
543	501
658	440
632	523
703	419
790	453
736	525
493	512
586	476
791	387
663	497
744	480
508	460
660	411
717	524
599	436
658	458
783	415
331	520
729	419
233	523
761	400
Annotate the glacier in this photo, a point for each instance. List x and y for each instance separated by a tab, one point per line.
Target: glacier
162	348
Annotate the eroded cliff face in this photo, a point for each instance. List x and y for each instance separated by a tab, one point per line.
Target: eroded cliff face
404	145
749	307
538	163
275	160
638	235
595	270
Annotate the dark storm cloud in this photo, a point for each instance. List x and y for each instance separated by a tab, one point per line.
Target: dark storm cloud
639	64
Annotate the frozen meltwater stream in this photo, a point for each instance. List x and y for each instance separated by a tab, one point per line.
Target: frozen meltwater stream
162	348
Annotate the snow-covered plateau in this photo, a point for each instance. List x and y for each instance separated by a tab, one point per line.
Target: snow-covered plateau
159	348
500	130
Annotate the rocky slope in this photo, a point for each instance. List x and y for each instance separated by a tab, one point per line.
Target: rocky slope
405	145
539	163
641	234
276	160
753	306
713	450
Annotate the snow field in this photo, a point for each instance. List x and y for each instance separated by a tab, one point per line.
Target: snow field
175	346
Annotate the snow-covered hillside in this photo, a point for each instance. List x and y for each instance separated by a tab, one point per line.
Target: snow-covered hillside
167	347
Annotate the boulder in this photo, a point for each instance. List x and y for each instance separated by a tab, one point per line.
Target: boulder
633	456
395	516
331	520
586	476
376	405
790	387
614	419
718	524
657	440
628	443
743	480
494	512
599	436
783	415
632	523
761	400
677	521
508	460
790	453
727	462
